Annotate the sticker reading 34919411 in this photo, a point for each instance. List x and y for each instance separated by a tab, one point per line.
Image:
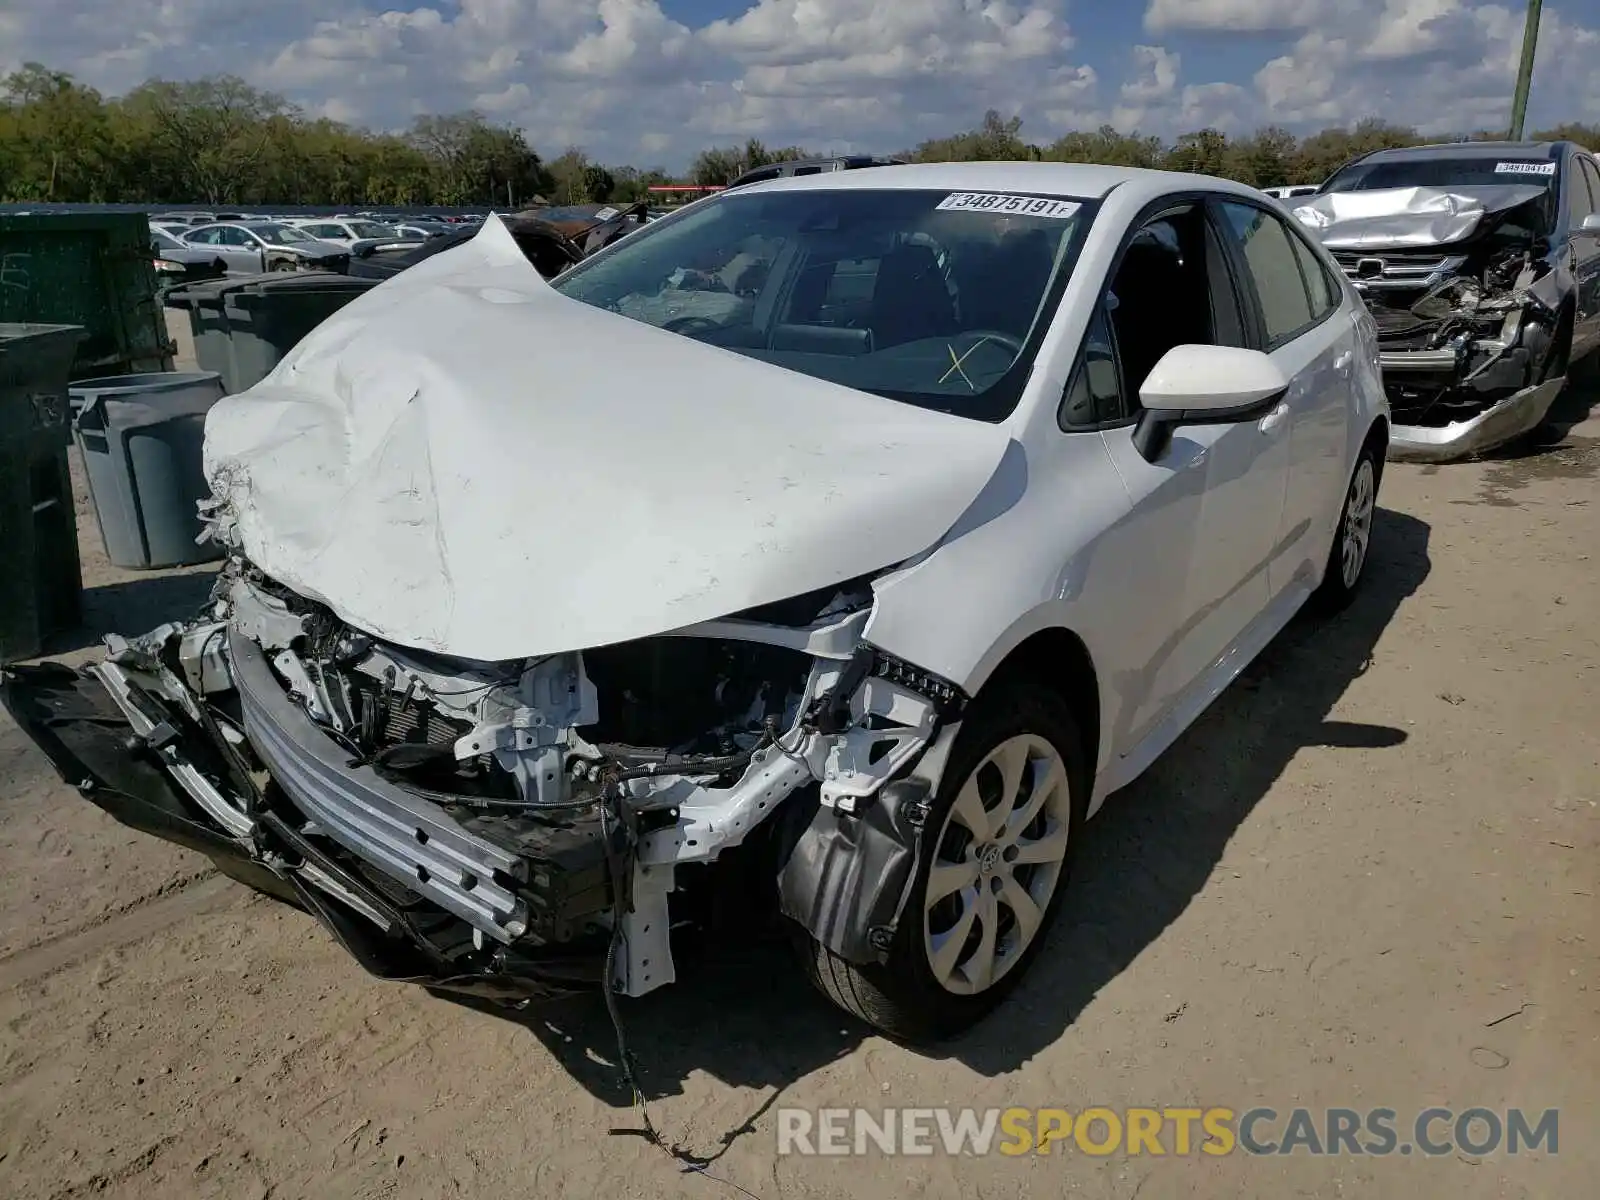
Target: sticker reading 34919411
998	202
1525	168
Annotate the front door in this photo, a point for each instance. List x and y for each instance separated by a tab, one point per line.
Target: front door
1207	510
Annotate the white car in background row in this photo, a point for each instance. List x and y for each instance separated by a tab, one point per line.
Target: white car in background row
344	231
252	246
555	627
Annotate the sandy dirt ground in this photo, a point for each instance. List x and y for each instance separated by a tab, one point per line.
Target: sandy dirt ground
1367	877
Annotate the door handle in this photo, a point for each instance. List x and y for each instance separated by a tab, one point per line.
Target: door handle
1274	418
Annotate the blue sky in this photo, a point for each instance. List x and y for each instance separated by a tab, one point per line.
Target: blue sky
650	82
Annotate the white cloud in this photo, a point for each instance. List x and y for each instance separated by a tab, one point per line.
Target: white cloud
1155	76
633	80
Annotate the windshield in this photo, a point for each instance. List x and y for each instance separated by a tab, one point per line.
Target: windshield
164	240
932	298
1443	173
281	235
371	229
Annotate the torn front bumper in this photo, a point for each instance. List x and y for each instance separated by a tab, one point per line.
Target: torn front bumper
138	761
1499	423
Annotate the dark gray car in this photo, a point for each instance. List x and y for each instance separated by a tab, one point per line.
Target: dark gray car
1480	262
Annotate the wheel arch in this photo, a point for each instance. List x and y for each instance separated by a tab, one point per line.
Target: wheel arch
1059	659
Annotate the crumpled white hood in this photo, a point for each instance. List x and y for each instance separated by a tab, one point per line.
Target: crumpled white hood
463	460
1415	216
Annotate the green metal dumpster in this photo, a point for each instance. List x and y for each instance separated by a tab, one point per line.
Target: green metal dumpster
95	270
41	580
244	326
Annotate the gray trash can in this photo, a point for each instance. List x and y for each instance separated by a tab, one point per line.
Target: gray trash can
141	438
269	315
244	325
209	325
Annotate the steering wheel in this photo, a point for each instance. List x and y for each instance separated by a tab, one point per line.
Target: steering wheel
690	326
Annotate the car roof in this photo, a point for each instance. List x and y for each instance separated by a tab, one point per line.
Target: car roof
1085	181
1458	150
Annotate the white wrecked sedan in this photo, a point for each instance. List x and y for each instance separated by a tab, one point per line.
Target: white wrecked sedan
855	588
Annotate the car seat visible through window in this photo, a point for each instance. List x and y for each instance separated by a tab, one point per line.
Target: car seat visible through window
910	300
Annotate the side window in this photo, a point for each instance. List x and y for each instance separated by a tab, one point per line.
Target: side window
1171	287
1325	294
1268	250
1577	189
1094	397
205	237
1591	174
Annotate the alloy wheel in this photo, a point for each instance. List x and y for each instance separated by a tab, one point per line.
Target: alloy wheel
1357	533
996	864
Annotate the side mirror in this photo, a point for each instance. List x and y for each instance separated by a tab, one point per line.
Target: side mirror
1204	385
1591	224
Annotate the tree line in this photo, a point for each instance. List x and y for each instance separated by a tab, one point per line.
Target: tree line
221	141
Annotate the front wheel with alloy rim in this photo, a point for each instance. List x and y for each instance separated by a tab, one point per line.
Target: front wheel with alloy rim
996	850
1347	560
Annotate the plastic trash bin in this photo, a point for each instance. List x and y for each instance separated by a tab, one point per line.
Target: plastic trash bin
41	580
141	438
244	326
270	315
209	326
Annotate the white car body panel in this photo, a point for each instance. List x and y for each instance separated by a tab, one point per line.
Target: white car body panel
473	471
507	482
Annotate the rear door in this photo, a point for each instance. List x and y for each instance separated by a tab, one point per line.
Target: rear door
1297	322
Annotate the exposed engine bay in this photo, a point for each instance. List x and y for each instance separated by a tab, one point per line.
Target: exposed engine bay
504	828
1466	304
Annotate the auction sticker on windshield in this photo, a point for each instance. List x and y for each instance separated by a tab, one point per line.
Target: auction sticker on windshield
1022	206
1525	168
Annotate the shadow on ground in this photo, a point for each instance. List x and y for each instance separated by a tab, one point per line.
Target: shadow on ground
748	1017
134	607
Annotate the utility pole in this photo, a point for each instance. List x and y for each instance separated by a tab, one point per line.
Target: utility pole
1530	45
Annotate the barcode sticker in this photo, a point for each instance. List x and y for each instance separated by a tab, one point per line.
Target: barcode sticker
997	202
1525	168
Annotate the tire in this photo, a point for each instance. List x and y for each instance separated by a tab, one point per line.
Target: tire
284	264
908	997
1352	538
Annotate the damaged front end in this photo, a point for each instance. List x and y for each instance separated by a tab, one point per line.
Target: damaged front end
1468	308
515	829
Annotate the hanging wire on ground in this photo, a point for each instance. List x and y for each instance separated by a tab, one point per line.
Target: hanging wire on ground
688	1162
